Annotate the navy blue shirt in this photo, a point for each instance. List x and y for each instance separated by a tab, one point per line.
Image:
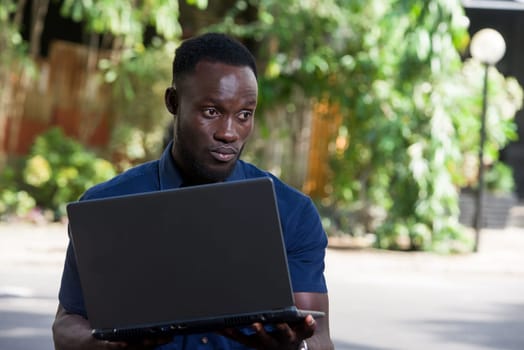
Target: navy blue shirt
304	237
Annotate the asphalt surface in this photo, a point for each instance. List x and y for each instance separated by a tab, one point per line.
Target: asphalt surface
379	300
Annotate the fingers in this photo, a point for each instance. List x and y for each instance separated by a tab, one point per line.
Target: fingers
240	337
147	343
234	334
281	336
113	344
310	327
304	329
266	340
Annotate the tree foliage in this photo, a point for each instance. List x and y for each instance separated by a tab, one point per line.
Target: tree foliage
408	104
409	107
142	37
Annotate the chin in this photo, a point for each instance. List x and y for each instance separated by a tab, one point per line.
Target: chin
216	174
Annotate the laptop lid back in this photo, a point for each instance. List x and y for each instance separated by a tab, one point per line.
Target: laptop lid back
184	254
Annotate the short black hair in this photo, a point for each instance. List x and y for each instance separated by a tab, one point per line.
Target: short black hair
212	47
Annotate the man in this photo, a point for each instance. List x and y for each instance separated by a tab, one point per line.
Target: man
213	99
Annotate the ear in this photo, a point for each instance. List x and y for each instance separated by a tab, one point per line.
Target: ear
171	100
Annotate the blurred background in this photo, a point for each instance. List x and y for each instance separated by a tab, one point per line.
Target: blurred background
407	142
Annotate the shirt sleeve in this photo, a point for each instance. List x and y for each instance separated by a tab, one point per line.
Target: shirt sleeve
306	244
70	294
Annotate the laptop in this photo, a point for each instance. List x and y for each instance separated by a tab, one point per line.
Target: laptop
183	261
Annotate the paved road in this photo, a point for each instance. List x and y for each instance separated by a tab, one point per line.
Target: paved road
379	300
398	301
30	268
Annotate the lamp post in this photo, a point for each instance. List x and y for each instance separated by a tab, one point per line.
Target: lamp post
488	47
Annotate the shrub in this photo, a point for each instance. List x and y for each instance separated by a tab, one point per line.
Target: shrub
18	203
57	170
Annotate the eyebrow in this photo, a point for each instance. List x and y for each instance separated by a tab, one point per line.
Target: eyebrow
252	101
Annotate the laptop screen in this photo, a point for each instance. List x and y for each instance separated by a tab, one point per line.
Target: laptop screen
184	254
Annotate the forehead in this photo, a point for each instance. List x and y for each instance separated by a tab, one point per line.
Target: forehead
220	77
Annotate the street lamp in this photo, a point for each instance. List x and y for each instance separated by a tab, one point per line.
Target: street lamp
488	47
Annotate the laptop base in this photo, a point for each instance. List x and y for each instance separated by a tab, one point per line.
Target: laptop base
290	316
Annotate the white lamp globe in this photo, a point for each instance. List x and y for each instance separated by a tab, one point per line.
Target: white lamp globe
487	46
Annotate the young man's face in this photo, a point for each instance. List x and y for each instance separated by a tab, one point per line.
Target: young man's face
215	107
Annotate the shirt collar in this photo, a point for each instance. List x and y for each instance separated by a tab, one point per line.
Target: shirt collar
168	173
170	176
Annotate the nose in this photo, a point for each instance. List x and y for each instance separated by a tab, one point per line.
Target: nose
226	130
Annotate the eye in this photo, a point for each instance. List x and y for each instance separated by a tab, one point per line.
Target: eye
210	112
245	115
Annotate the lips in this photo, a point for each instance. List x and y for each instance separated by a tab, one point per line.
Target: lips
224	153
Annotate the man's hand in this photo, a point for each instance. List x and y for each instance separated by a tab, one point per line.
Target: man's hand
286	336
72	332
144	344
282	337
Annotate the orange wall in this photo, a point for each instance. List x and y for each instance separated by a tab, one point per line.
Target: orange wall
58	98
